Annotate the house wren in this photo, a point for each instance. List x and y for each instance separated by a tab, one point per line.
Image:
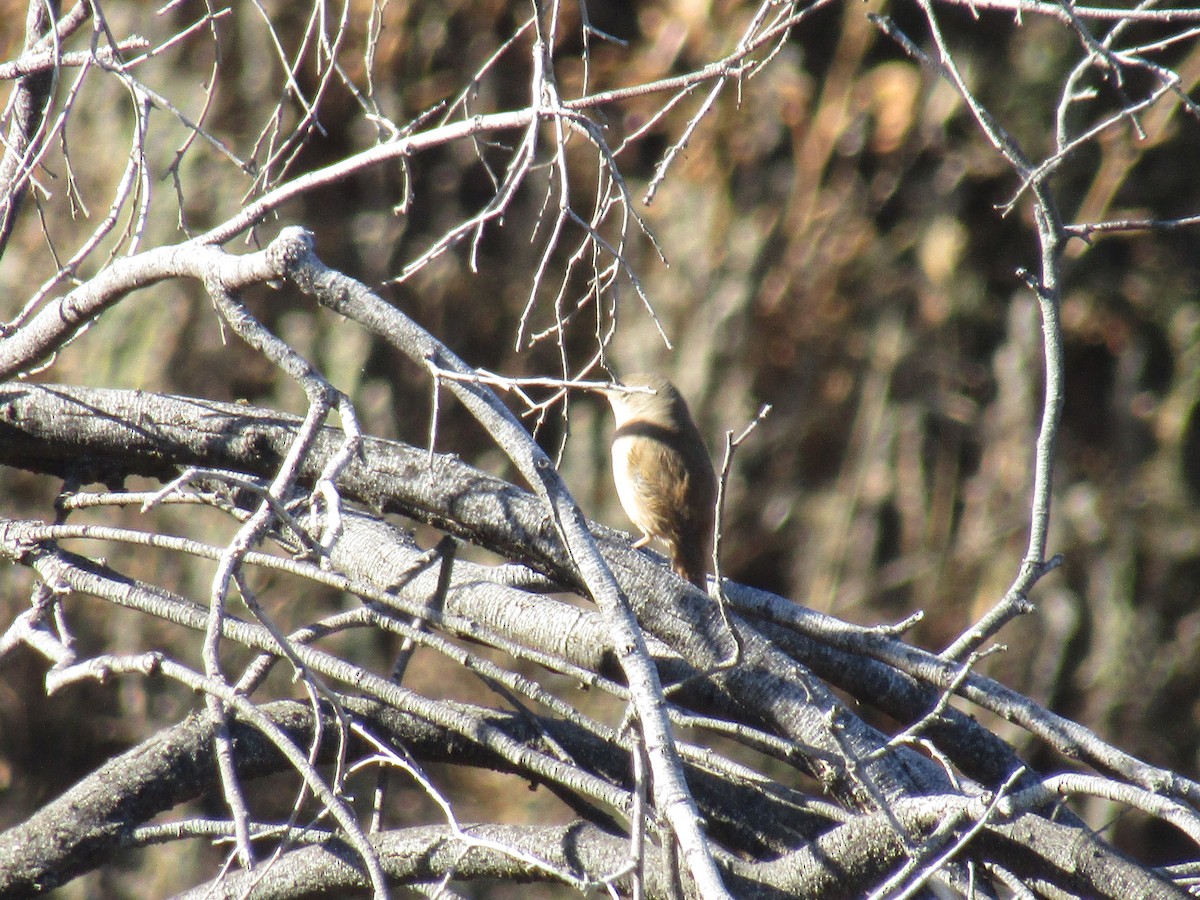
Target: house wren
663	473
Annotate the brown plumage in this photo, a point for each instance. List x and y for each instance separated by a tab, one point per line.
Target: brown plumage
663	473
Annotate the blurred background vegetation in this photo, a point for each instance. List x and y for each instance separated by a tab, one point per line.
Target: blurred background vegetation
836	248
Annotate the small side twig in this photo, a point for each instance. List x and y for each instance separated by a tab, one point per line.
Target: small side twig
731	445
445	550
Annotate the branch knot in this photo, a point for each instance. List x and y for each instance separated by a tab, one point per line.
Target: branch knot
293	245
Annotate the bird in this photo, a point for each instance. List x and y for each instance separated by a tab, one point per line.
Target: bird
663	472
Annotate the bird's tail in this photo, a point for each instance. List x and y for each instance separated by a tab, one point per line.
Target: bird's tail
689	562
